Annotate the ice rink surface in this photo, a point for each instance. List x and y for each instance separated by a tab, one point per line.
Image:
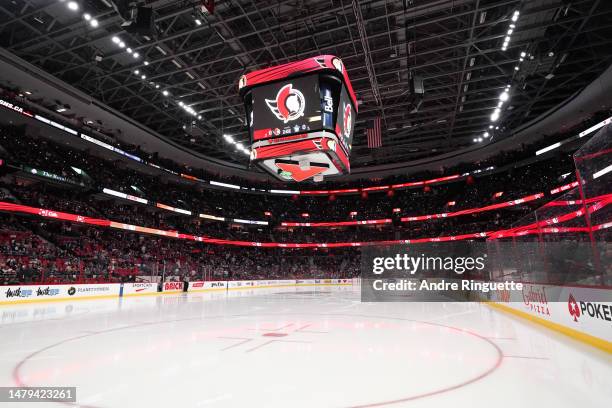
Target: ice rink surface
310	347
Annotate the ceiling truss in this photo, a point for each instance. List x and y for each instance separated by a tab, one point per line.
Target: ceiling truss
455	45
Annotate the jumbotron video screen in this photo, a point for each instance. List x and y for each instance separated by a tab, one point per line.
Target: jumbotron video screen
301	118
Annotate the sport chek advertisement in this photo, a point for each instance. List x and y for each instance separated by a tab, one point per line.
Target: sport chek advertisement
139	288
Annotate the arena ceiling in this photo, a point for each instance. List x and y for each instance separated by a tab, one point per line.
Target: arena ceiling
456	46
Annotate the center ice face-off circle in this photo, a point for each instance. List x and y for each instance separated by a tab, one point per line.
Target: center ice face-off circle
313	350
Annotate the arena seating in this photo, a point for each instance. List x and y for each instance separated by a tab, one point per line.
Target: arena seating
67	252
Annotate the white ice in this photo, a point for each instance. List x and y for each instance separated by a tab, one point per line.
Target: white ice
311	347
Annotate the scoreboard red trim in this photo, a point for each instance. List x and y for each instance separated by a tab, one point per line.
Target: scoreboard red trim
316	144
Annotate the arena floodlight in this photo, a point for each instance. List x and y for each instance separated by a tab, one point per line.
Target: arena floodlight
217	183
548	148
116	40
595	127
73	5
87	16
94	23
504	96
601	172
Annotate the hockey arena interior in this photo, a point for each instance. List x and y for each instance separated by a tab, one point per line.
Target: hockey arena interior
305	203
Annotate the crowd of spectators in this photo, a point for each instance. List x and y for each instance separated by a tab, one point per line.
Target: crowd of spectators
82	254
35	250
97	174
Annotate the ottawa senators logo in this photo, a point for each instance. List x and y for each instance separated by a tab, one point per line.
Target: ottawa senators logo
346	125
288	105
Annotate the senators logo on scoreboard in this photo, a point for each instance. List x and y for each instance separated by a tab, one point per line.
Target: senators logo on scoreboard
289	104
347	124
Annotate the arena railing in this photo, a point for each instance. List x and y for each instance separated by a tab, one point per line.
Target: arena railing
516	231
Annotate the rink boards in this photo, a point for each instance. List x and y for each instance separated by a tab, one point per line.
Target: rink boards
573	315
48	293
574	312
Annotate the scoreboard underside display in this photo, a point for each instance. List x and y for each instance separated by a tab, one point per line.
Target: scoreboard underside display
301	118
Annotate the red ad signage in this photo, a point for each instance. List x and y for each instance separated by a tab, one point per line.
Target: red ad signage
173	286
